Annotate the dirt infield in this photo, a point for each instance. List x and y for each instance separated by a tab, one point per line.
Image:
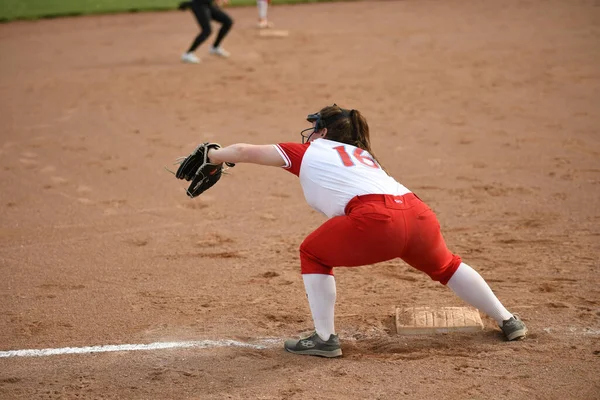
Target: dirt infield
487	109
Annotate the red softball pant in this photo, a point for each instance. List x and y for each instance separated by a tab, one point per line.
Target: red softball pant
378	228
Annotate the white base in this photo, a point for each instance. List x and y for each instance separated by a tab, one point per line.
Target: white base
428	320
273	33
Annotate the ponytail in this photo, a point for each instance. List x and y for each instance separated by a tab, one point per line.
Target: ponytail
347	126
362	134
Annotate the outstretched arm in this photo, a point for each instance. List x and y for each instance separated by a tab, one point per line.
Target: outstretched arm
247	153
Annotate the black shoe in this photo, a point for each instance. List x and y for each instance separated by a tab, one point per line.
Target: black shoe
313	345
514	328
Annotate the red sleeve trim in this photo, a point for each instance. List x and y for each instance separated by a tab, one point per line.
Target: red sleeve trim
283	155
292	153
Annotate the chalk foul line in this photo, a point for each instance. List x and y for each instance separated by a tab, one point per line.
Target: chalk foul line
201	344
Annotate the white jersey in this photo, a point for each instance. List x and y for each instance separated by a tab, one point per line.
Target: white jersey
332	173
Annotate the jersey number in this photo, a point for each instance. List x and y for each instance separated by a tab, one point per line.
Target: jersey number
358	154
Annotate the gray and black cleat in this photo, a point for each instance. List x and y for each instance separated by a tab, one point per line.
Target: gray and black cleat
313	345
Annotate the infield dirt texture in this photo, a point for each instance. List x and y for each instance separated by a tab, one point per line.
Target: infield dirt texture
488	110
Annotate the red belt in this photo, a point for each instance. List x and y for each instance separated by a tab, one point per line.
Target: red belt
374	198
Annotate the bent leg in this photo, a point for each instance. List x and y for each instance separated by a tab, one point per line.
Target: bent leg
351	241
473	289
321	293
341	241
225	21
202	14
426	248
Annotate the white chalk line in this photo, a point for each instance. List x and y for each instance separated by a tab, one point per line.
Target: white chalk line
202	344
574	331
199	344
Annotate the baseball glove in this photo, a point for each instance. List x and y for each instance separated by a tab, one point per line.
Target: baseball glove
198	169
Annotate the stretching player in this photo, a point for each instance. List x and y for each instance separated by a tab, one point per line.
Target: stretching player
204	11
372	218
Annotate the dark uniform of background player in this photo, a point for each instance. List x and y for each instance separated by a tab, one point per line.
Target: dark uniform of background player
205	11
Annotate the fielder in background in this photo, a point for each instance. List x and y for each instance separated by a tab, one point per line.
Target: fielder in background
372	218
263	9
205	11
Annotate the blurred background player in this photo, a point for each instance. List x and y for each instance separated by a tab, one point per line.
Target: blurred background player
263	9
372	218
205	11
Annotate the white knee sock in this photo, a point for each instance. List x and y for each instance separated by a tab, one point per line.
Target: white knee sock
472	288
321	293
263	6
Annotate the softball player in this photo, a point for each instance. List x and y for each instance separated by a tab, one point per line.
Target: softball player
372	218
204	11
263	9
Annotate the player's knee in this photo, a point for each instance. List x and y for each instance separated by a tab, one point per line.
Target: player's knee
444	273
310	264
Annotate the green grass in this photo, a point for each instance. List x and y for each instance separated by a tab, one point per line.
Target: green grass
33	9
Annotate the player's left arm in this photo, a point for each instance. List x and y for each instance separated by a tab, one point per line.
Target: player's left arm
247	153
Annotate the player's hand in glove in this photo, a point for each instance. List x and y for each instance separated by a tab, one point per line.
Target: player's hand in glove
198	169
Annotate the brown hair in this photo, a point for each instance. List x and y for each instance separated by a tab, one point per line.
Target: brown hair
347	126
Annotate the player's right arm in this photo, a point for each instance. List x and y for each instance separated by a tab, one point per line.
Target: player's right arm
247	153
